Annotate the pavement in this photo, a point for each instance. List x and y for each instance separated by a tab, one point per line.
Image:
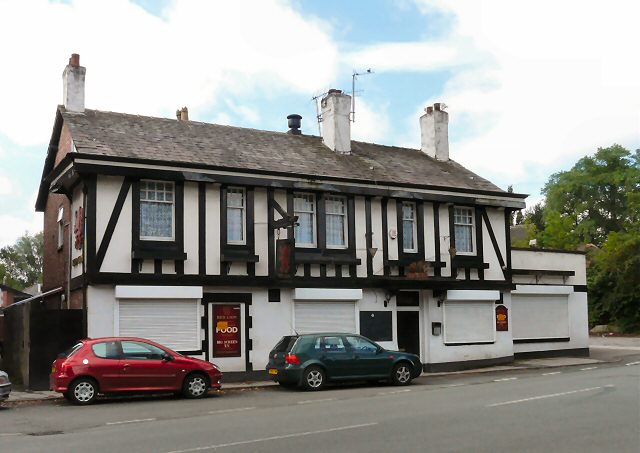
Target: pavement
603	349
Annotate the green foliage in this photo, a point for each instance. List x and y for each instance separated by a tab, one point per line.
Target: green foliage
594	198
22	262
614	282
598	201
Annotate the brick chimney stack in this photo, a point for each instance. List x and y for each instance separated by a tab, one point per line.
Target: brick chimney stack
73	85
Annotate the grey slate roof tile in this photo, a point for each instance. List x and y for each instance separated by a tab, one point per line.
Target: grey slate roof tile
122	135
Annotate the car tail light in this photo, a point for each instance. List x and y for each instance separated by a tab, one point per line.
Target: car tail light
292	359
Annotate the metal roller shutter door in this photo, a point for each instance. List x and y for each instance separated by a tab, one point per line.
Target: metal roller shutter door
311	317
540	316
468	322
172	323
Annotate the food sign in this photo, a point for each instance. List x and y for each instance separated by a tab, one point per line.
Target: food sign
502	319
227	340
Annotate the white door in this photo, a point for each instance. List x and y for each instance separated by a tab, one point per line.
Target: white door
312	317
172	323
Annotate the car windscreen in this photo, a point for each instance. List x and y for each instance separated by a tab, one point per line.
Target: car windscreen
285	344
72	350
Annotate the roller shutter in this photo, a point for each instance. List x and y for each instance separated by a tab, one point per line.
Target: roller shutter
540	316
312	317
468	322
172	323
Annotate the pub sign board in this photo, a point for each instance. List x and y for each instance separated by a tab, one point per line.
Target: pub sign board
502	318
227	333
285	262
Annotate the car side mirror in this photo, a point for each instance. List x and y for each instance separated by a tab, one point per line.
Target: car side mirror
167	357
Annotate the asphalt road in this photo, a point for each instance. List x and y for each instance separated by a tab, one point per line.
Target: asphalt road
573	409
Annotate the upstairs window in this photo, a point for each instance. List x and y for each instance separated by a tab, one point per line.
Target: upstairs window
336	210
463	225
157	210
409	230
236	215
304	206
60	227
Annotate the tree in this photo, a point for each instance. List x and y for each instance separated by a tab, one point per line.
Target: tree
22	262
592	199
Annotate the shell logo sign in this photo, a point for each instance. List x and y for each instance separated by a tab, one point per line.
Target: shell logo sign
227	340
502	318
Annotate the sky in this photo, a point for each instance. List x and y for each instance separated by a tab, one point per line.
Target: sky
531	86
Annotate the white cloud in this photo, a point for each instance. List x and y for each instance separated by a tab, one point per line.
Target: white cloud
140	63
12	226
5	185
544	83
372	124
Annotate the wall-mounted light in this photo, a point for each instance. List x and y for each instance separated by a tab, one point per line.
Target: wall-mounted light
436	329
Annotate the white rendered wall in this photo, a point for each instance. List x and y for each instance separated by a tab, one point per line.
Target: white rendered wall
392	224
118	255
361	238
441	353
376	228
213	229
261	231
444	239
496	217
191	227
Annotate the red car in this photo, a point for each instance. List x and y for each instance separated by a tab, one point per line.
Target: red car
114	365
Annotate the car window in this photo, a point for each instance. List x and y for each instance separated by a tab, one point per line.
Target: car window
285	344
333	344
135	350
363	345
106	350
72	350
316	344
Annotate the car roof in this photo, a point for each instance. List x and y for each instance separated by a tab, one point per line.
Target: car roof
102	339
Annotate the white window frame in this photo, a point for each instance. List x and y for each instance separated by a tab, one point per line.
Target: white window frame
473	230
314	217
414	220
344	220
243	208
173	211
60	221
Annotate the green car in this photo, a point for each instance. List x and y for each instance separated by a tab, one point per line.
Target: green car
311	360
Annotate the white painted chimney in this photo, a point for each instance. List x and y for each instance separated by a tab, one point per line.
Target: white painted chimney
73	85
434	127
336	124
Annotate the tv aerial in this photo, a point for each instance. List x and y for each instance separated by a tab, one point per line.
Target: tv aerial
354	76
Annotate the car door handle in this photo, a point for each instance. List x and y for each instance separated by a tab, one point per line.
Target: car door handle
125	367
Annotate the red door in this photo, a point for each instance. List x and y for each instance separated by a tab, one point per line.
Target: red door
143	368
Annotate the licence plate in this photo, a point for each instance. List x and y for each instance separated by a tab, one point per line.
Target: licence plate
273	371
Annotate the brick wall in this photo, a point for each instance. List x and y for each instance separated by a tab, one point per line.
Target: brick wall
56	260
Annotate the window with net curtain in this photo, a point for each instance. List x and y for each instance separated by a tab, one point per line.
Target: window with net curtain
463	225
408	227
336	212
156	210
236	215
304	206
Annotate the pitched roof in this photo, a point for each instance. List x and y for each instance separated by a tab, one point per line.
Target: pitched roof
120	135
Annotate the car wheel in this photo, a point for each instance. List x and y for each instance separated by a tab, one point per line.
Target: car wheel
195	386
401	374
314	378
83	391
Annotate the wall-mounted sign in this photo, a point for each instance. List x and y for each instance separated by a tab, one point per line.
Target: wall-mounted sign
227	336
78	229
285	262
502	318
